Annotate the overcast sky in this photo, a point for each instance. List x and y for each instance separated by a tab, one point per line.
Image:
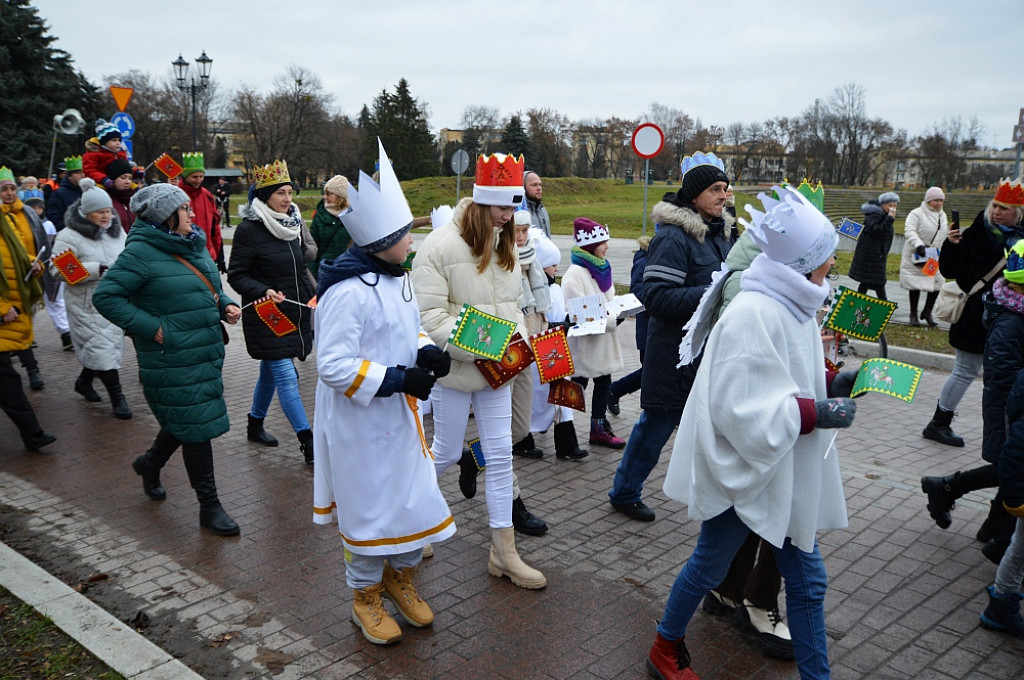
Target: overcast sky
734	60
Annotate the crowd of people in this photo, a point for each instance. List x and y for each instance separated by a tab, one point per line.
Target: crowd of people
110	257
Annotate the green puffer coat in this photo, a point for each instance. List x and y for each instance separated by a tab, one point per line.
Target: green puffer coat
146	289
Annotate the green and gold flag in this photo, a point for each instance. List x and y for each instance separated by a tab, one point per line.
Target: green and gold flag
858	315
481	333
894	378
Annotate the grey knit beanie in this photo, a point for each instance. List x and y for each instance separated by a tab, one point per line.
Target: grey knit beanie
157	202
93	197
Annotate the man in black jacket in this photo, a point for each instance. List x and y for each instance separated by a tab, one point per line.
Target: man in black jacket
66	194
694	235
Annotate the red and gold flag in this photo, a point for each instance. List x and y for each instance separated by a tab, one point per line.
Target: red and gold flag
551	351
168	166
567	393
517	357
275	319
70	267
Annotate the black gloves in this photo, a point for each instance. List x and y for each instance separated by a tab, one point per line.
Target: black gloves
434	359
831	413
222	266
920	250
842	384
418	383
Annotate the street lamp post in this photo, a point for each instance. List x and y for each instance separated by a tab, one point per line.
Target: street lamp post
181	73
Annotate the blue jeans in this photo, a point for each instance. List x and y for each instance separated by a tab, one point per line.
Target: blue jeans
649	436
804	574
279	374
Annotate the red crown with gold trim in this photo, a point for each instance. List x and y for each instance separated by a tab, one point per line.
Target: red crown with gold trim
272	173
1010	193
499	180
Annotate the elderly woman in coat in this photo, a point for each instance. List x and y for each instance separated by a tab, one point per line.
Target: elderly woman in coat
165	290
925	231
872	252
94	234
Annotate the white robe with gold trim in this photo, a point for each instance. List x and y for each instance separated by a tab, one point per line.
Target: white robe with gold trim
373	472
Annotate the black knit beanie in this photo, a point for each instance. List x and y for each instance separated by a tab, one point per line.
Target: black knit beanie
118	167
697	180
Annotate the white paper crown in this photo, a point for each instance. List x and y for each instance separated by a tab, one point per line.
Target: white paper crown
791	230
597	234
440	216
690	162
378	210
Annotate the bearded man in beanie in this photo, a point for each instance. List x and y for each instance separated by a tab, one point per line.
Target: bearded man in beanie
203	204
693	236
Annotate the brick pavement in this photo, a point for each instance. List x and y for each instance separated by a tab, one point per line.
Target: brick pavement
903	602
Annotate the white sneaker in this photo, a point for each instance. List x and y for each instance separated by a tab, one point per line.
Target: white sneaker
770	631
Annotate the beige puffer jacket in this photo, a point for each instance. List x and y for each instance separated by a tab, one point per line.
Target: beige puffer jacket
445	276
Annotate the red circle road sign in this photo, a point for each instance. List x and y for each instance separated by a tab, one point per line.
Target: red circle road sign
648	140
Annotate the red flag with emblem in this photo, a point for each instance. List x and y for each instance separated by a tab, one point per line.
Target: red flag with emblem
70	267
271	314
168	166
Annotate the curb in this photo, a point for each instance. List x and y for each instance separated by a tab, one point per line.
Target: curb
915	357
110	640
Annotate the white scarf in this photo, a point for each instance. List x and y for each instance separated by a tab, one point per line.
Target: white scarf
802	297
535	296
282	226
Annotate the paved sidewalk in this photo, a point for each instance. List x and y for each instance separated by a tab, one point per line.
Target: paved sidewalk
903	601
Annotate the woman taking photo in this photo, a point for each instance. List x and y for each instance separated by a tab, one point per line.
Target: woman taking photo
95	235
268	260
164	289
472	260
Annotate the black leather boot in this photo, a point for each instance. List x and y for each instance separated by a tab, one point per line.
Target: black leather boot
149	464
254	432
567	445
526	448
942	494
306	445
467	473
939	429
524	522
118	404
199	465
83	385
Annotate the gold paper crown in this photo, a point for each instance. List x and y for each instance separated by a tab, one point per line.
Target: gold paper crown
72	163
273	173
1010	193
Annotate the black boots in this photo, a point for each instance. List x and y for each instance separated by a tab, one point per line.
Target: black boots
942	494
306	445
199	465
118	403
35	379
254	432
524	522
149	464
939	429
83	385
566	443
526	448
467	473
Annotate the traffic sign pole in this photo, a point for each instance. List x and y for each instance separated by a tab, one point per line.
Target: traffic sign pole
648	141
460	161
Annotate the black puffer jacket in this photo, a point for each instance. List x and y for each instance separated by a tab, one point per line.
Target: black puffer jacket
259	261
872	250
1004	359
680	261
1011	461
980	248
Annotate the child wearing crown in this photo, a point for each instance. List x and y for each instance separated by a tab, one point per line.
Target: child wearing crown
594	356
374	473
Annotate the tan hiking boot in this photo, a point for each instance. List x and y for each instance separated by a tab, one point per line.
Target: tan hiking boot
505	561
399	589
369	614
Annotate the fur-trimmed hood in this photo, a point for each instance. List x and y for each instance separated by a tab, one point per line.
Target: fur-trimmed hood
688	220
73	219
872	207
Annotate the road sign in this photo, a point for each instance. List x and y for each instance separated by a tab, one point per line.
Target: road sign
125	123
121	95
460	161
128	148
1020	117
648	140
1018	134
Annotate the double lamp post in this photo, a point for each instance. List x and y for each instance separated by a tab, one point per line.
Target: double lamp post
181	73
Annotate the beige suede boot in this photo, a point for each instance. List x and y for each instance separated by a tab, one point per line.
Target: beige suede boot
369	614
399	589
505	561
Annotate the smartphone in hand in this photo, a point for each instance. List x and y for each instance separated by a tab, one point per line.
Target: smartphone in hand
956	220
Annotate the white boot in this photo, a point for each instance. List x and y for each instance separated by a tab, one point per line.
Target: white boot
505	561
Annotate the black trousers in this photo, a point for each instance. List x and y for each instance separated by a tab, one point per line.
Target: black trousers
758	581
13	400
599	402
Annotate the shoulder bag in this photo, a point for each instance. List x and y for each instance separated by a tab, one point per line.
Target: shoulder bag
950	304
216	297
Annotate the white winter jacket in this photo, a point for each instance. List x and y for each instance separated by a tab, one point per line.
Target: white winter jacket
592	355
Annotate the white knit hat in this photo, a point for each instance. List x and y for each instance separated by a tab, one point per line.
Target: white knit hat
93	197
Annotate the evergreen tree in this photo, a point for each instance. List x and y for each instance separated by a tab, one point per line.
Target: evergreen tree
400	121
514	140
37	82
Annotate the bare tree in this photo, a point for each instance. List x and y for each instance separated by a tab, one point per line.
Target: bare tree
679	129
550	133
942	151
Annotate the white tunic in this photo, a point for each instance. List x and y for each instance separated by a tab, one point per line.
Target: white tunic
739	443
373	472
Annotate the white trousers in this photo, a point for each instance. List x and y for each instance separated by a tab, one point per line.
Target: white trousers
363	571
492	410
543	412
57	311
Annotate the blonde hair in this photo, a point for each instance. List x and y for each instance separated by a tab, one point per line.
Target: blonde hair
478	234
1018	212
